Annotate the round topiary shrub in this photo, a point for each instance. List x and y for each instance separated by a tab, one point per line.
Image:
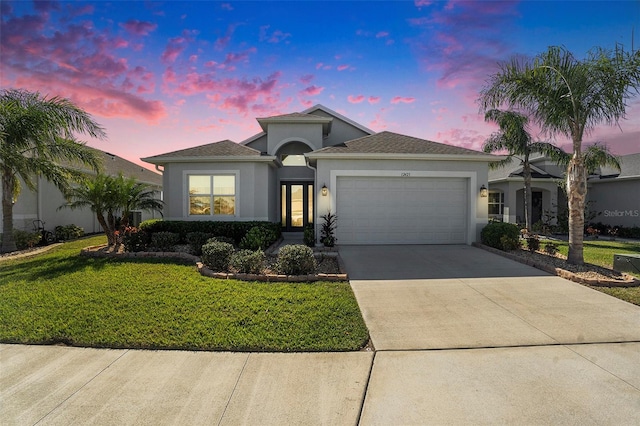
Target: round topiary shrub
248	262
492	235
217	256
296	259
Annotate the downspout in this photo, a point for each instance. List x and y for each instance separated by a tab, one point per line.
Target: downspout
157	166
315	198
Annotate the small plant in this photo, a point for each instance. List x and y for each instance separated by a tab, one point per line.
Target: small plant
296	259
509	243
196	240
593	232
492	234
26	239
164	241
613	232
68	232
258	238
533	242
550	248
134	239
327	229
309	235
247	261
217	255
222	239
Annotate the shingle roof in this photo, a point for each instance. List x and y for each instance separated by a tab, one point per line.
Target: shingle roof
225	148
113	165
394	143
292	115
629	166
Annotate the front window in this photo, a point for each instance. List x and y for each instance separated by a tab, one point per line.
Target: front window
212	195
496	203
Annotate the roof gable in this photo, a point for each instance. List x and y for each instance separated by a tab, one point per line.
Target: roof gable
225	148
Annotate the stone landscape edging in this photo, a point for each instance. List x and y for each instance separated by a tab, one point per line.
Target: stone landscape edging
93	251
629	280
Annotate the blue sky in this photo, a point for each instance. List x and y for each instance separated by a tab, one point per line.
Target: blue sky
161	76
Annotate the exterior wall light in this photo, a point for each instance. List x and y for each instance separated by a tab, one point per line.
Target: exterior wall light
324	190
484	192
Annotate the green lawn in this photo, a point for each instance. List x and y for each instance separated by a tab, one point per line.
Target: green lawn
600	252
59	296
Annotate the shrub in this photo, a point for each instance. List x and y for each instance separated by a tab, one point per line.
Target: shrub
248	262
296	259
26	239
508	243
221	239
327	228
217	255
233	230
258	238
309	235
492	234
135	239
196	240
68	232
550	248
148	224
164	241
533	242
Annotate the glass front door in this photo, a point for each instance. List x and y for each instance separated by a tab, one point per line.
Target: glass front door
296	205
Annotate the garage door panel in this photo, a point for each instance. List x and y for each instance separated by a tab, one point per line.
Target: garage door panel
375	210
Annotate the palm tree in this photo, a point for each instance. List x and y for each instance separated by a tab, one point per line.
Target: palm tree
514	138
107	196
570	97
37	139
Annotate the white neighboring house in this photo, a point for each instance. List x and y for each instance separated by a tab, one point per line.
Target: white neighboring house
614	196
385	188
43	204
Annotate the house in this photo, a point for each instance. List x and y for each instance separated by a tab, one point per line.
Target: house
43	204
613	197
385	188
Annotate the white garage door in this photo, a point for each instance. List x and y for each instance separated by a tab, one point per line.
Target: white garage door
395	210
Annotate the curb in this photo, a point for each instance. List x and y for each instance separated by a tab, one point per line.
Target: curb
629	280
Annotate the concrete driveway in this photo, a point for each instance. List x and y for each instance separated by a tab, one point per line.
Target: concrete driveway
446	297
463	336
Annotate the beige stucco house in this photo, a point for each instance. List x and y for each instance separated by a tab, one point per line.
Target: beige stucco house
385	188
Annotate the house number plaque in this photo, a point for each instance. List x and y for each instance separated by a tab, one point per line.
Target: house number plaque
405	174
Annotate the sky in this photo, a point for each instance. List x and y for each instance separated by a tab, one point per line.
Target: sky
166	75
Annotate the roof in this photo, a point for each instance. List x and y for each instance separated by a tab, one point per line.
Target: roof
225	148
515	169
629	167
297	117
113	164
395	143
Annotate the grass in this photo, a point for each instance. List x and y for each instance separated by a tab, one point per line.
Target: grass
600	252
59	296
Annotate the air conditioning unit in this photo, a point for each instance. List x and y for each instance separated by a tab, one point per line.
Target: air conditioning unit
627	263
135	218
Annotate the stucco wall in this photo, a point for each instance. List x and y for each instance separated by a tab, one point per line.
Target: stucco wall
475	172
281	133
618	202
341	131
252	189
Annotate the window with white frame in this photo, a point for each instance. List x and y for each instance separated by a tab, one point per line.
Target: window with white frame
212	195
496	203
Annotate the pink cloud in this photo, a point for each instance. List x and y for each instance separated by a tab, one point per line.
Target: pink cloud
307	78
175	46
272	37
374	99
382	34
420	3
343	67
355	99
222	42
400	99
312	91
466	138
139	28
226	6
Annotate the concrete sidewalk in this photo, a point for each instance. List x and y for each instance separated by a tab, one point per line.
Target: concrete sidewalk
53	385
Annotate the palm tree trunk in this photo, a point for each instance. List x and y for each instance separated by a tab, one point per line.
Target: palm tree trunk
526	172
110	236
577	193
8	243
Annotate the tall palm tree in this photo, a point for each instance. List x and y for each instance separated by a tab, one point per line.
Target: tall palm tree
514	138
108	196
37	138
570	97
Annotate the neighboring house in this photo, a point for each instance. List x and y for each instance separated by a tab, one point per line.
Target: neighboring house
385	188
614	197
43	204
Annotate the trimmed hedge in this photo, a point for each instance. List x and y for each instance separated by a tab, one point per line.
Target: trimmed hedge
234	230
492	235
217	256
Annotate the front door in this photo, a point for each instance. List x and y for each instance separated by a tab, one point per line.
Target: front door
296	205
